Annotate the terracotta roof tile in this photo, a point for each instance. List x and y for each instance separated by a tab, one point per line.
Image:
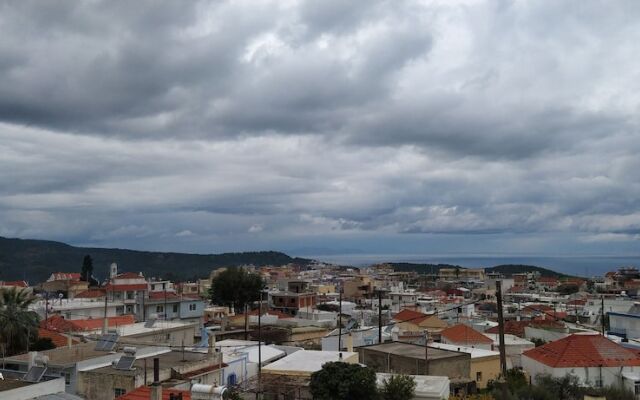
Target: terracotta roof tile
517	327
59	324
407	315
128	287
90	294
583	351
462	334
57	339
144	393
22	284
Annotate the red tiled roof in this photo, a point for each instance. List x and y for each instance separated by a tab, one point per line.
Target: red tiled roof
161	295
463	334
123	288
59	324
517	327
22	284
90	294
583	351
128	275
407	315
57	339
144	393
66	276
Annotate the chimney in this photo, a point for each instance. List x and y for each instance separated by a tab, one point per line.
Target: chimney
350	342
69	341
156	387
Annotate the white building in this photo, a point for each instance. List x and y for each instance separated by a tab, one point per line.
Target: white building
595	360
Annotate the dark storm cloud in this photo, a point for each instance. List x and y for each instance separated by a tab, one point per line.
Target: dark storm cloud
251	123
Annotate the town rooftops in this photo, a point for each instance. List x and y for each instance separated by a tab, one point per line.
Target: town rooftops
583	350
463	334
412	350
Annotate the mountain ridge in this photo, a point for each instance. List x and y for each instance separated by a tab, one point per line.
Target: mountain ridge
34	260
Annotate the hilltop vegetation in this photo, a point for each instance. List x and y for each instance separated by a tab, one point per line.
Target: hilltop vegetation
505	269
35	260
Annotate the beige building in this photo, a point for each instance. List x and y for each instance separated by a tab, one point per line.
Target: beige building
485	364
464	274
181	368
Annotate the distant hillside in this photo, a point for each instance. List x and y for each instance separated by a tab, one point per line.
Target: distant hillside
507	269
510	269
420	268
35	260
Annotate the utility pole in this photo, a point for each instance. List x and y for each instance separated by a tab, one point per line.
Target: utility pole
379	316
260	345
602	313
340	319
503	357
426	352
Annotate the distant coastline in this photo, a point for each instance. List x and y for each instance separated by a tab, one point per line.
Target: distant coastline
572	265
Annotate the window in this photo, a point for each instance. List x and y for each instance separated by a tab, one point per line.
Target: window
175	308
119	392
598	383
478	376
192	307
637	388
67	378
159	309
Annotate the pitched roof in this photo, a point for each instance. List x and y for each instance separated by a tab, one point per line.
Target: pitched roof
57	339
162	295
128	275
22	284
126	287
65	276
407	315
90	294
59	324
144	393
516	328
463	334
580	350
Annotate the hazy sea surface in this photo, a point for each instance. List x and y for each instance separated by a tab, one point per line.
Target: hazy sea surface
573	265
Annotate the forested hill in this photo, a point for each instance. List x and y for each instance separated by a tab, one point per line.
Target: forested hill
35	260
507	269
510	269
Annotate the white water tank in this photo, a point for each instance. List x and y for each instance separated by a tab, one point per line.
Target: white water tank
207	392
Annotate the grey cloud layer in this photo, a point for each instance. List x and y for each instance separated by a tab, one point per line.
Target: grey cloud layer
265	122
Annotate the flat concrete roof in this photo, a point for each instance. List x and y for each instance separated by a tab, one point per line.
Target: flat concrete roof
65	355
167	360
412	350
8	384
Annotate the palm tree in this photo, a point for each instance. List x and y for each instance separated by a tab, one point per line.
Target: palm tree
17	324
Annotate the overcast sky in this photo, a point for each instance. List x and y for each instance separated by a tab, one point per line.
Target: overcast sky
309	126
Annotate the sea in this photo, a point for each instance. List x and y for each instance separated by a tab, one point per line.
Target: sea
585	266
